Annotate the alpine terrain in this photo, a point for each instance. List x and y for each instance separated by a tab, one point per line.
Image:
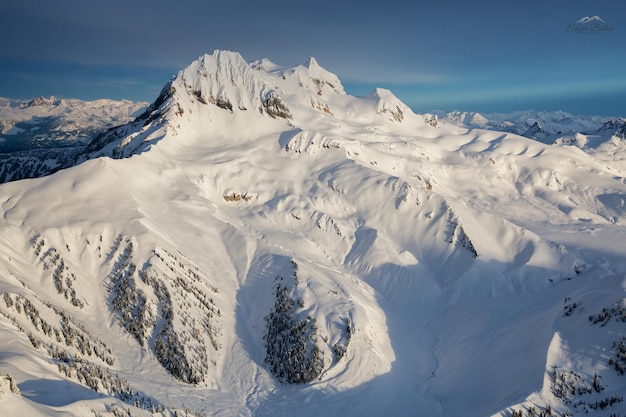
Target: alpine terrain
38	136
259	243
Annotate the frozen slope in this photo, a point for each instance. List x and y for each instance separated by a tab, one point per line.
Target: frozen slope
419	270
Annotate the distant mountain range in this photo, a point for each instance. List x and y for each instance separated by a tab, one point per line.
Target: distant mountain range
40	135
550	124
53	123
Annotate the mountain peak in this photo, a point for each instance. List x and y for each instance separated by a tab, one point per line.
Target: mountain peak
223	88
264	64
617	127
388	103
41	101
311	62
223	57
226	80
534	130
322	78
219	64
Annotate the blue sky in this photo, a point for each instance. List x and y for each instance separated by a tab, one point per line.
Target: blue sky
487	56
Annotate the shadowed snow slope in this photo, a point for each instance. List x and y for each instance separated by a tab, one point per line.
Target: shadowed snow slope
260	243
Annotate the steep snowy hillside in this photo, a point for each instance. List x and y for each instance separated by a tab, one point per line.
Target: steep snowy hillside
260	243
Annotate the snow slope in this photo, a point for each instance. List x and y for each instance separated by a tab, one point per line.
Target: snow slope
258	226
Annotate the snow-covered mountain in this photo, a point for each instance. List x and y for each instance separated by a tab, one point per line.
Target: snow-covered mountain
50	122
41	135
602	137
260	243
539	125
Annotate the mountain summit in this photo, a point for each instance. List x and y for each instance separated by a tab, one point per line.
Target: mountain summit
260	243
224	86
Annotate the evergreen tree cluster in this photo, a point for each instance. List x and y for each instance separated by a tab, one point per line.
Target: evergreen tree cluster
619	360
167	306
170	350
617	311
116	410
63	331
181	345
456	235
605	402
340	348
532	411
128	301
74	349
292	354
567	384
570	307
62	278
104	381
34	163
